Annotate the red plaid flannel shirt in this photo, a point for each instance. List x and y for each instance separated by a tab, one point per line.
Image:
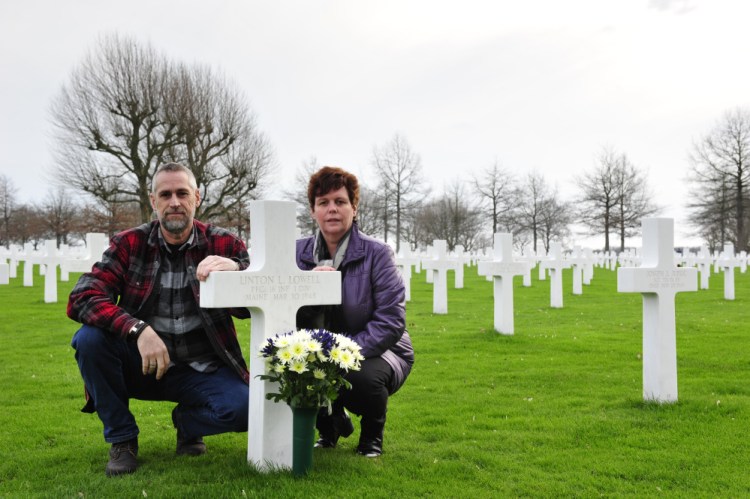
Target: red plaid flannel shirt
118	290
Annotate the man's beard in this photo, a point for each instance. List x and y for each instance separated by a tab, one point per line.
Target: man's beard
176	227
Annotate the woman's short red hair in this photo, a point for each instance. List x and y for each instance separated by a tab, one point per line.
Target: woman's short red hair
332	178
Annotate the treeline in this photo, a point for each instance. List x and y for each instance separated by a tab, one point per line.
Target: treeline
127	108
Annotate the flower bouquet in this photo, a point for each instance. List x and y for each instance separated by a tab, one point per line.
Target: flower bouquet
309	367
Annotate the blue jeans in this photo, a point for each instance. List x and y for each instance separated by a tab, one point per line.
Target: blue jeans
208	403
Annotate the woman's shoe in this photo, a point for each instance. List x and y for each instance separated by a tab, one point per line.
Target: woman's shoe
331	427
325	443
371	436
370	447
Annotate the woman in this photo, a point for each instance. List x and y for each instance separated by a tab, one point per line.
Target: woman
372	310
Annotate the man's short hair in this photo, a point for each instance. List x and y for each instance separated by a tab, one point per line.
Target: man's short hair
174	167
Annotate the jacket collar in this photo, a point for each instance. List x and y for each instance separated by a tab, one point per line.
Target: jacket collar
354	251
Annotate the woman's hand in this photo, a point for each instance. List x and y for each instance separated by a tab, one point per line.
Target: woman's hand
325	268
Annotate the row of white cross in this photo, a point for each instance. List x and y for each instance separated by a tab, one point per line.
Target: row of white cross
503	266
658	276
274	289
49	260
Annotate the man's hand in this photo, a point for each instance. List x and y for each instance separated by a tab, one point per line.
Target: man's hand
212	263
154	354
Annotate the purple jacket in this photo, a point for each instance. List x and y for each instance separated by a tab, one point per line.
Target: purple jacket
372	310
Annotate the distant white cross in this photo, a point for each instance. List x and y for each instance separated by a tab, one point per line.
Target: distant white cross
405	261
728	263
502	268
555	263
29	255
658	280
274	288
439	266
530	260
588	266
4	272
51	260
96	244
577	261
704	261
461	259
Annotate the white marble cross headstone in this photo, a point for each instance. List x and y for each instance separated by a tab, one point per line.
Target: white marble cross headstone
96	244
460	258
29	255
4	272
530	260
405	261
439	266
274	288
588	266
743	261
430	253
728	262
612	260
658	280
717	268
50	260
555	264
542	257
704	260
503	268
14	252
577	261
63	253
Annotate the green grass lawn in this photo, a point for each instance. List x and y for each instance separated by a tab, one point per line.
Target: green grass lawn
554	410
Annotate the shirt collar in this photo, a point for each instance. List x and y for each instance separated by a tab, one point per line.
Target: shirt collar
187	244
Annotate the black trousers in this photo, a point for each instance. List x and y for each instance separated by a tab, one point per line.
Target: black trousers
368	396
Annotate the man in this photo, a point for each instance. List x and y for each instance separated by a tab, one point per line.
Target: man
144	335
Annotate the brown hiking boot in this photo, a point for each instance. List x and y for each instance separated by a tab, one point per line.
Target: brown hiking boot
190	446
122	458
187	446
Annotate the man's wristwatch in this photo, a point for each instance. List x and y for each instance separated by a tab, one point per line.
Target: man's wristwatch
136	330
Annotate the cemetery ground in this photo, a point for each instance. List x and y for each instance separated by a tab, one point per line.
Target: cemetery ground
554	410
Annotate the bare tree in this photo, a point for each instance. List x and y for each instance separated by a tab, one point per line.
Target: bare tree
298	193
27	225
600	195
721	169
126	109
219	140
452	218
711	209
634	200
401	184
109	218
7	205
413	231
555	219
499	193
369	219
533	207
615	197
58	214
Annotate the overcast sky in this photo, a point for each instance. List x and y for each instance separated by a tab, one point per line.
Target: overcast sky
536	85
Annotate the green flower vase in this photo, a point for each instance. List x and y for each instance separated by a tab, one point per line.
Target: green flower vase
303	439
